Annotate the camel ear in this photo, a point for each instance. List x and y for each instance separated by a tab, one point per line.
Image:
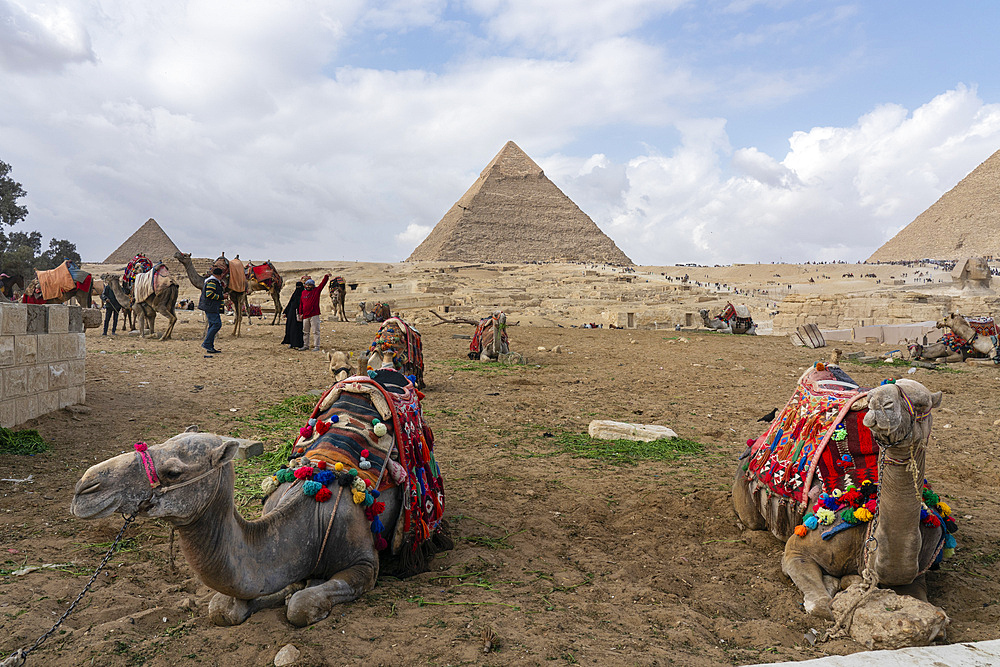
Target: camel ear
329	357
936	399
225	452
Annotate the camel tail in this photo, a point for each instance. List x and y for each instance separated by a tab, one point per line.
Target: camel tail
410	561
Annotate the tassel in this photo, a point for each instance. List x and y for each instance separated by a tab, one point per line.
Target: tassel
377	526
380	543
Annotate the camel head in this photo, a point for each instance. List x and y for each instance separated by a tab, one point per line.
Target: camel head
187	469
899	413
182	256
340	365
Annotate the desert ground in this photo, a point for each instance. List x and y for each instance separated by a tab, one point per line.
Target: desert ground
569	553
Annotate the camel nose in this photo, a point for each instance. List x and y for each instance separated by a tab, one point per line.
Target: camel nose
85	486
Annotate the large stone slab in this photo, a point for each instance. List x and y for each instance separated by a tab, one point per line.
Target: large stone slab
603	429
969	654
885	620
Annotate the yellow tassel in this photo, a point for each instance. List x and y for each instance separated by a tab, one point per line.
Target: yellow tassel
359	497
862	514
944	508
948	552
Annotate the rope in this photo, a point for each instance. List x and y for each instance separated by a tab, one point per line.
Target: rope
18	657
329	525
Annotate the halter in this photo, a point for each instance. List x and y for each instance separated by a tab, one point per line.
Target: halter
146	461
342	368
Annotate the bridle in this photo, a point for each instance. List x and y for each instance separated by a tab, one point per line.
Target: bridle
334	371
157	486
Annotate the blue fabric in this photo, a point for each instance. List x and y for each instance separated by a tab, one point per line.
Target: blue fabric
840	527
214	324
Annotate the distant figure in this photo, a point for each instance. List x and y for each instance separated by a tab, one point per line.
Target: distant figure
212	295
293	319
309	307
111	309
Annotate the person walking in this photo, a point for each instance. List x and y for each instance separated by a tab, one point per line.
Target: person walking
212	295
111	309
293	319
309	308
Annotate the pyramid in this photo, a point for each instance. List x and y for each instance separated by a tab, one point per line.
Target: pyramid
150	240
964	222
514	213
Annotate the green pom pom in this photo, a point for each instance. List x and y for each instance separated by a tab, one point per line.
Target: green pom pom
848	516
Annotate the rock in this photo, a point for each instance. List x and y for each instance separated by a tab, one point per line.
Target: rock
78	409
286	656
923	364
540	348
249	448
92	317
996	422
557	349
886	620
187	604
511	359
603	429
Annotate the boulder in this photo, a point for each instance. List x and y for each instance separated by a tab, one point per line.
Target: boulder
288	655
602	429
885	620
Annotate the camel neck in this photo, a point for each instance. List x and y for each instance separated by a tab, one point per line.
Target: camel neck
897	532
244	559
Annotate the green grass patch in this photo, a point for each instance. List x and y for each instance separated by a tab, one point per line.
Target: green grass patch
22	443
625	452
487	367
280	422
900	363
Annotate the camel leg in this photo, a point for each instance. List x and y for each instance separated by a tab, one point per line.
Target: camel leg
226	611
806	574
171	321
277	307
743	502
917	588
313	604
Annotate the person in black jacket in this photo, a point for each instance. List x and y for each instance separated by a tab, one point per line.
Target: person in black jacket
293	320
111	308
212	295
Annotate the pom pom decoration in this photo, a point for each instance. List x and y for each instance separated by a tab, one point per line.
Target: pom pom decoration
365	465
322	427
338	466
312	421
269	485
377	526
311	487
285	475
862	514
375	494
359	485
380	430
378	506
323	495
306	432
372	374
334	419
825	516
324	476
944	508
358	497
376	421
140	446
801	530
820	366
811	522
321	465
380	543
412	379
305	472
365	453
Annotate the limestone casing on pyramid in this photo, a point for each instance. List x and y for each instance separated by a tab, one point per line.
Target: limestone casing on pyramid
964	222
150	240
514	213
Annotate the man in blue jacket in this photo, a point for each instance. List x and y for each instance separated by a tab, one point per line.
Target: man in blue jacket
212	295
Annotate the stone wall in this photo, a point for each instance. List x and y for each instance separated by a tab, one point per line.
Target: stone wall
42	360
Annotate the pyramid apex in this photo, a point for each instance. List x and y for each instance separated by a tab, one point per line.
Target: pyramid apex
149	239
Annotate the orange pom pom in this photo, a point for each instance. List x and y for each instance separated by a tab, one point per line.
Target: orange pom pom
801	530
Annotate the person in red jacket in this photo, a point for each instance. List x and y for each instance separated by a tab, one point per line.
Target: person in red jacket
309	308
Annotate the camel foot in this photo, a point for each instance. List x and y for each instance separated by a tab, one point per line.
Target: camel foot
308	606
820	607
227	611
849	580
832	584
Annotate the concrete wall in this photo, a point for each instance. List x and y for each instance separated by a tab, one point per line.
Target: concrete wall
42	360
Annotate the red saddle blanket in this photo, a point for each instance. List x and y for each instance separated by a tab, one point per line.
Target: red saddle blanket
816	435
485	325
984	326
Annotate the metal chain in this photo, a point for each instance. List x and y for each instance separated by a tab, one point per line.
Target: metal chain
20	655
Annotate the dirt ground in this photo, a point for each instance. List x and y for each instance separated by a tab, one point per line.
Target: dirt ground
567	559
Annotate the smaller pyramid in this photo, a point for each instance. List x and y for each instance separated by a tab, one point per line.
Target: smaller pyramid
150	240
964	222
514	213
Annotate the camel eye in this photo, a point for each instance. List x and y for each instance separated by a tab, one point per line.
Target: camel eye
171	472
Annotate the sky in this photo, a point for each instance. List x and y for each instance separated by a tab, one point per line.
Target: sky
712	131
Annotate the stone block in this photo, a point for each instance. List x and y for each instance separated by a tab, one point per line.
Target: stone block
75	319
6	350
249	448
59	375
48	348
92	318
25	349
7	413
77	372
22	413
58	318
71	346
602	429
38	378
15	318
36	318
71	396
48	402
15	382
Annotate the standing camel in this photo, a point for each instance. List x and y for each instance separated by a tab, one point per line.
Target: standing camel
124	299
272	284
238	298
338	290
7	284
155	291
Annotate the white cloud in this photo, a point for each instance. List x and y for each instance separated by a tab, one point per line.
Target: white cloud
45	39
413	235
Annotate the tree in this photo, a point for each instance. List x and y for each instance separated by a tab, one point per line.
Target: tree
10	192
21	252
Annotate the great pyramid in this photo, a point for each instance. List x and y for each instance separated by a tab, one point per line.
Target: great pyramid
150	240
514	213
964	222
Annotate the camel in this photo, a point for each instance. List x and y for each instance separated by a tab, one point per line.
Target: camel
715	323
162	299
188	481
380	312
938	351
984	345
340	365
397	345
270	285
338	290
7	284
490	339
899	418
124	299
238	298
83	297
364	315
